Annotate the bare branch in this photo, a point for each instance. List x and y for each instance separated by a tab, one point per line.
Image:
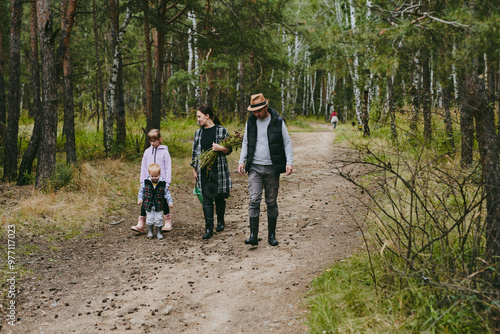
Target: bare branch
455	24
232	11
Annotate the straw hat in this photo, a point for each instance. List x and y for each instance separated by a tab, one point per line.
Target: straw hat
257	101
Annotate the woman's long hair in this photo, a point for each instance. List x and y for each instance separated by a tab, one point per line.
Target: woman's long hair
207	110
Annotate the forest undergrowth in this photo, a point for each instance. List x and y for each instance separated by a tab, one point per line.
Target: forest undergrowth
423	267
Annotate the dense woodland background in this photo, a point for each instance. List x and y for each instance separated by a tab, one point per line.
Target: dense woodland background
378	63
102	60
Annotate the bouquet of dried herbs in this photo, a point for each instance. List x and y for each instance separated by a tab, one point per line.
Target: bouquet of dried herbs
207	158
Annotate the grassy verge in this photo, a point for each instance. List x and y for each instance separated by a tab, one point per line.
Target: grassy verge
424	231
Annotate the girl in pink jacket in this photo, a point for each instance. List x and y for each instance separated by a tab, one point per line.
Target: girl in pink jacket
156	153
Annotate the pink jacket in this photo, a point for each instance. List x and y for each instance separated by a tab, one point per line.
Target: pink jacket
160	156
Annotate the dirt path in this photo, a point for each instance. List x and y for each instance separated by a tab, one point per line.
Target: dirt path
188	285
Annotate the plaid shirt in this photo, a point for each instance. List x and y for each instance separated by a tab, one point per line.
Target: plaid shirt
224	181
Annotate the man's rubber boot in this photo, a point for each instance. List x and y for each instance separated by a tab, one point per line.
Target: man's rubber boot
221	211
150	231
254	232
208	212
271	228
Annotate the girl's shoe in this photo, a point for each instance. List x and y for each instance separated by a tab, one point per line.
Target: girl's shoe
139	228
168	223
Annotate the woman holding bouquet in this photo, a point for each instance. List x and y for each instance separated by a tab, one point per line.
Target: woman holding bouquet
212	178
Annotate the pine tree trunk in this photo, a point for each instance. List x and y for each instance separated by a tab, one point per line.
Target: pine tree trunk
121	124
149	74
10	162
312	86
497	89
492	64
323	98
426	96
241	91
159	61
68	14
498	94
489	147
466	128
211	86
30	153
365	116
47	149
338	105
3	109
447	116
69	111
99	92
415	95
390	104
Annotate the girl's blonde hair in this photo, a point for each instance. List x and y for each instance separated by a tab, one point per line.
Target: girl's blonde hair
154	168
154	134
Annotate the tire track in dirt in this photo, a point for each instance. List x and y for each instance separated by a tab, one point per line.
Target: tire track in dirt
125	283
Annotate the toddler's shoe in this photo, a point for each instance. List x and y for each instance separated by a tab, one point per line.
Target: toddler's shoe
150	231
159	236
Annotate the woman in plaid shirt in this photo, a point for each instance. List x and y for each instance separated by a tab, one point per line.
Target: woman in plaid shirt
214	183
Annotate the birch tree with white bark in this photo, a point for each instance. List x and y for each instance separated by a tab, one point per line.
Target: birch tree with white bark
111	98
355	69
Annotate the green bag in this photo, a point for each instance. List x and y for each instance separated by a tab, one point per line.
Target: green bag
198	194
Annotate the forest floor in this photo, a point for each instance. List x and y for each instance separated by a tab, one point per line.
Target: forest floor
123	282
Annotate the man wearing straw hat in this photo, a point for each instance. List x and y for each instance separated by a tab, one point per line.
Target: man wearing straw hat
266	153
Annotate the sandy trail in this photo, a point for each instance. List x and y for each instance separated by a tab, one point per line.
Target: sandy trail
125	283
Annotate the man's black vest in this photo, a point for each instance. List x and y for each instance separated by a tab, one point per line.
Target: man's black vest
274	137
153	196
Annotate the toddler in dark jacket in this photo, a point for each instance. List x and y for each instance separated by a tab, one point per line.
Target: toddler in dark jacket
151	195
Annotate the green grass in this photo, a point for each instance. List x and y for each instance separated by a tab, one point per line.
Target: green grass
344	300
435	291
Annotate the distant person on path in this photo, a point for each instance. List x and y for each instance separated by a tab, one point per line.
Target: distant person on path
214	183
334	119
156	153
265	154
152	196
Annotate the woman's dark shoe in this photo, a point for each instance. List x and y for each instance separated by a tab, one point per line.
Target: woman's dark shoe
208	212
220	226
221	211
